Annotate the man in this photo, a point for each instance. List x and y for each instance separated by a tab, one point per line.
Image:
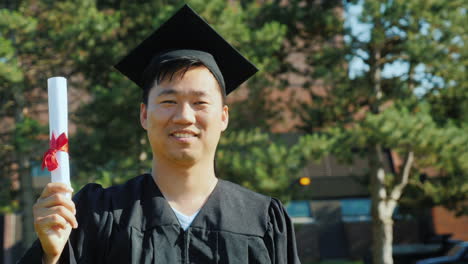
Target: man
181	212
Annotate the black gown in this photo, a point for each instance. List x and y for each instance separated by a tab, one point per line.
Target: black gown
133	223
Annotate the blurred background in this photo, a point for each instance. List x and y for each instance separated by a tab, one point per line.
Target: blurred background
357	120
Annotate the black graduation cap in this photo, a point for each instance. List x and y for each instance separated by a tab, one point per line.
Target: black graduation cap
188	32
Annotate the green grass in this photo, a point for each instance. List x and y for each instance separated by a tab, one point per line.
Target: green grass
336	262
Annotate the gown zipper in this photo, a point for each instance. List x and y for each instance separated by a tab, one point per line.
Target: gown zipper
186	238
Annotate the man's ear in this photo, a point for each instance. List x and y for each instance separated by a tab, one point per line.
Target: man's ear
225	117
143	115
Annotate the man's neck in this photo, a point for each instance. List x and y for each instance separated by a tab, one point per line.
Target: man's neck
186	188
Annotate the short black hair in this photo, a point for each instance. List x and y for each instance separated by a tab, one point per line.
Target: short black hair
159	71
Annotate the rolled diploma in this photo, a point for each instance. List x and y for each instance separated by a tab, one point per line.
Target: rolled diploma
58	124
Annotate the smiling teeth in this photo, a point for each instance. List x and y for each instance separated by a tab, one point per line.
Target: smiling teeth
183	135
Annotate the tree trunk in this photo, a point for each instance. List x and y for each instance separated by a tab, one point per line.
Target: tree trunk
24	169
384	203
382	237
382	210
27	201
23	157
382	229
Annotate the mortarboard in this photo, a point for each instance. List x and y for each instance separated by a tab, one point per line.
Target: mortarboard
187	34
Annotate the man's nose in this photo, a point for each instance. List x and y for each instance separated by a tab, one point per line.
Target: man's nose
184	114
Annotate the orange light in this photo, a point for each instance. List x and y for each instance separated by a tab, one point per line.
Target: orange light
304	181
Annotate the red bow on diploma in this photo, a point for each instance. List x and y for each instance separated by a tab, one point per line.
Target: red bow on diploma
60	144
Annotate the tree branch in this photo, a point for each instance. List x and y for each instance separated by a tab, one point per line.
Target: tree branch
391	59
398	189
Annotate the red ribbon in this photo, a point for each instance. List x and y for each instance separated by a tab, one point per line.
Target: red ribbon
60	144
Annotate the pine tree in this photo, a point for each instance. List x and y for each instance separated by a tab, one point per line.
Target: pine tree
412	58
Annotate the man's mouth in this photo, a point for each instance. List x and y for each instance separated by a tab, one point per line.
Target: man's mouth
183	135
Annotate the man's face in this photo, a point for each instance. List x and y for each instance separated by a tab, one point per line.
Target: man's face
184	117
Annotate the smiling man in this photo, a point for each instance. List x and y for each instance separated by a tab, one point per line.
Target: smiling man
180	212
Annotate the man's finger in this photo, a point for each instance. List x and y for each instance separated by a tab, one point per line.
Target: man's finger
55	200
55	187
66	214
51	221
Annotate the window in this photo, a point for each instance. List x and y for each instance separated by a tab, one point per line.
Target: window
356	209
300	211
37	171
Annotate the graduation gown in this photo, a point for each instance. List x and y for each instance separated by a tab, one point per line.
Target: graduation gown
133	223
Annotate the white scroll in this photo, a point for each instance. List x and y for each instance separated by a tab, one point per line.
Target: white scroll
58	124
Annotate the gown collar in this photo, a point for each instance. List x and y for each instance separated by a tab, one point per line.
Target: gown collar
157	210
229	208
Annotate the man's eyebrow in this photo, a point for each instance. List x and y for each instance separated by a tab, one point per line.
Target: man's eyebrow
174	92
167	92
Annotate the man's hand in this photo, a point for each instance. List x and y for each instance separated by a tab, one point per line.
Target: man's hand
54	217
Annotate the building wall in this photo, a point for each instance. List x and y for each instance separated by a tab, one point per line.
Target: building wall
331	235
356	241
10	232
445	222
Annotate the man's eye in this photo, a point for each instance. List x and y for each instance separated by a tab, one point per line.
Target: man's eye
200	103
168	102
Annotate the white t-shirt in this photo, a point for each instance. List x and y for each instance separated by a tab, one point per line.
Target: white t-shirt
184	220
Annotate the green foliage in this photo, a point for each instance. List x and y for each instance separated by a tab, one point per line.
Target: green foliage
266	163
26	135
11	22
441	148
420	109
24	141
38	40
81	40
